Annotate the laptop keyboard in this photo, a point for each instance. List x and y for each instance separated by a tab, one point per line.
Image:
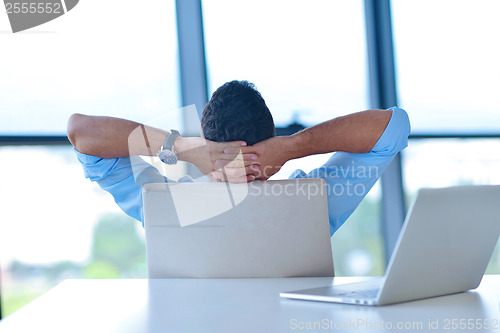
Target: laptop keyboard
363	293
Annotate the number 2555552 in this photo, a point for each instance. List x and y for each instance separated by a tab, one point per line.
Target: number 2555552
33	8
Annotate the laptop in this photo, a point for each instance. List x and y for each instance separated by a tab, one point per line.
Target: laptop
262	229
444	247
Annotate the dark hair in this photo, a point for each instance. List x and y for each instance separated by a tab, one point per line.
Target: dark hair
235	112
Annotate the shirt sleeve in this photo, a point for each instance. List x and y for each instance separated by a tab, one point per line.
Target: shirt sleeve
122	178
349	177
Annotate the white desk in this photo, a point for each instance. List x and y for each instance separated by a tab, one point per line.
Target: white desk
236	306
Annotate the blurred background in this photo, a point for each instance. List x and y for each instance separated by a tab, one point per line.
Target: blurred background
311	60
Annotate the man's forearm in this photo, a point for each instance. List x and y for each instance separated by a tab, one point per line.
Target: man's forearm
109	137
354	133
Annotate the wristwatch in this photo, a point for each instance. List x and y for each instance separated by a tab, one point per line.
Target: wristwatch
166	153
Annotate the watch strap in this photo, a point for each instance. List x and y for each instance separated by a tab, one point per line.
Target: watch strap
169	141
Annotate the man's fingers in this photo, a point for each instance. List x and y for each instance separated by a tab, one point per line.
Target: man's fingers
221	163
236	163
216	149
221	146
249	157
228	173
235	143
232	150
230	157
236	169
239	172
243	150
218	176
243	179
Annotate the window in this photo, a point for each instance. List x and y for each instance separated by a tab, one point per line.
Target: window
91	61
447	64
308	59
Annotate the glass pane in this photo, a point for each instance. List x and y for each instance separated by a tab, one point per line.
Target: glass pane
109	57
47	232
307	58
449	162
358	246
448	68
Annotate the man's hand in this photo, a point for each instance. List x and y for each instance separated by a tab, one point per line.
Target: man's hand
261	160
210	156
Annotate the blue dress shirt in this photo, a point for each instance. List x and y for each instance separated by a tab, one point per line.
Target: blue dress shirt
348	176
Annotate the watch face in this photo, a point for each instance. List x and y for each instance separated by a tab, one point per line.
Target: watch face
167	157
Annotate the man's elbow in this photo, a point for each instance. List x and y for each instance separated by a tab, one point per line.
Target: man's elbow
395	137
406	127
75	129
404	130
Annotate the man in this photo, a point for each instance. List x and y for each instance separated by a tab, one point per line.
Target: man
240	145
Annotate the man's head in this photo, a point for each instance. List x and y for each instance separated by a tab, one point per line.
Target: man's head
235	112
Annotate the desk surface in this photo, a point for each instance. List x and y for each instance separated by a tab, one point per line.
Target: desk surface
241	305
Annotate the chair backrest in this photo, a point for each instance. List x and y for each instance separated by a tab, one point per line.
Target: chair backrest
220	230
